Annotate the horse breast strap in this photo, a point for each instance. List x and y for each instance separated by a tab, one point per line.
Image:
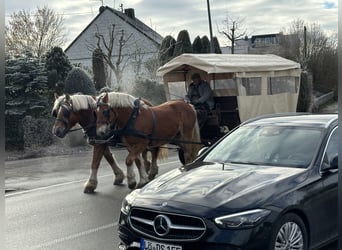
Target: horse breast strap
129	129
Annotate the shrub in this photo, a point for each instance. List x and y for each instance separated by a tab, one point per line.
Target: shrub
150	90
79	81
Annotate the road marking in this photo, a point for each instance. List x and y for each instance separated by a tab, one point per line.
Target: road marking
72	236
67	183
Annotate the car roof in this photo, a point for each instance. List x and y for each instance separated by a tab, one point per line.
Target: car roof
295	119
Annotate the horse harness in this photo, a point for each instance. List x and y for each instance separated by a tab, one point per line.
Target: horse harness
89	131
129	129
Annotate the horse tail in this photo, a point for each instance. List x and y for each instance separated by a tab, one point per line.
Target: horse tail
163	152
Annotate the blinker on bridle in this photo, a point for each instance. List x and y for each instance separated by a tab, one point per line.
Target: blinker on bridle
66	107
105	113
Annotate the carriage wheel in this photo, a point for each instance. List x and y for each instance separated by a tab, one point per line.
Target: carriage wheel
181	155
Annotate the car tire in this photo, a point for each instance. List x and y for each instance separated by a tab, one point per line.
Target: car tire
289	233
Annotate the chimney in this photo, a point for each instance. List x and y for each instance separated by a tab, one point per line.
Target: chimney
101	9
130	13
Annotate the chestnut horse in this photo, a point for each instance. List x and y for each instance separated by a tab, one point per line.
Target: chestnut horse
72	109
143	127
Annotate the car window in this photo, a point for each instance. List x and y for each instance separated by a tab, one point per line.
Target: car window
268	145
332	147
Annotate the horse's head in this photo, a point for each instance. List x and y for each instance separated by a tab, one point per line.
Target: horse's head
62	110
105	116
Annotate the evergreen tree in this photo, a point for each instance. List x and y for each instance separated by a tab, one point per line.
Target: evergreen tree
25	87
99	69
197	45
183	44
166	50
217	48
57	66
78	81
205	45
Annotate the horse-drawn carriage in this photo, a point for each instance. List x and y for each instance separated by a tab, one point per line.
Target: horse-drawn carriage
244	86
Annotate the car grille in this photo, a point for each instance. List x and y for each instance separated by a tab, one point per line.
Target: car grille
179	227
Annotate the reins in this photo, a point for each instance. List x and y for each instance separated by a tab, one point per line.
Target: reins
129	129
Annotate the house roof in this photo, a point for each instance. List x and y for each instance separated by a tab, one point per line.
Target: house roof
131	20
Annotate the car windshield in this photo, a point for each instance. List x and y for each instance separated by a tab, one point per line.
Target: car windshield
268	145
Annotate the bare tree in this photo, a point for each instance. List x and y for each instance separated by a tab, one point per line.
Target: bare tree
35	33
110	49
233	30
314	50
303	41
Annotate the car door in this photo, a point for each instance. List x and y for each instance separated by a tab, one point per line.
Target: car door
326	209
330	183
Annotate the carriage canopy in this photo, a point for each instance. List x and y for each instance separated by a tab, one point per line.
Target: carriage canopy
260	84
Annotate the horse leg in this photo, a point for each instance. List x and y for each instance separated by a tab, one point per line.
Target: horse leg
91	184
154	167
147	163
130	171
119	174
143	177
188	157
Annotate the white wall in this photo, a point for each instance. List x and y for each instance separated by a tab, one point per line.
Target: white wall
138	46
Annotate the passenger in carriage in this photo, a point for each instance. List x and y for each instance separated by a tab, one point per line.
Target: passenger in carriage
200	95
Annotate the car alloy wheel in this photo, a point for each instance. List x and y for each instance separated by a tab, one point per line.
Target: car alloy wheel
290	234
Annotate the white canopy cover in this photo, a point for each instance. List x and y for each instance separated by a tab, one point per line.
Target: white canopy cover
268	69
228	63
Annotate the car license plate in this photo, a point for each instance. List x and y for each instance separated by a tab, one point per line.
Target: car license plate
152	245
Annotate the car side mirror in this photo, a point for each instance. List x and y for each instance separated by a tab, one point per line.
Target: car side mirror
334	163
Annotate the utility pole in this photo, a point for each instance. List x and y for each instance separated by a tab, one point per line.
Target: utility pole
210	29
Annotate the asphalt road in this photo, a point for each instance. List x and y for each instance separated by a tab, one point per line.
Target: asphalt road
46	208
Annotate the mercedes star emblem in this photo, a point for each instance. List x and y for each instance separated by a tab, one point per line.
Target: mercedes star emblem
161	225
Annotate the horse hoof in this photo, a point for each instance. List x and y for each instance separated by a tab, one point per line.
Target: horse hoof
132	185
118	179
89	190
140	185
90	186
151	176
118	182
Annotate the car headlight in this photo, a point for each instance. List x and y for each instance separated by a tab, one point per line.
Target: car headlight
240	220
128	200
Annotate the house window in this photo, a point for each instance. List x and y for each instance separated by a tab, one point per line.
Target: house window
283	84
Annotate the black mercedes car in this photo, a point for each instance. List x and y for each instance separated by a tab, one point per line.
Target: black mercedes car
269	184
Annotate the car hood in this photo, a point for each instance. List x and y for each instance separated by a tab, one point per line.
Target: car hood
213	185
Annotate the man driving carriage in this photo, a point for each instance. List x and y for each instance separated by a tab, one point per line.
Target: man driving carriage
200	95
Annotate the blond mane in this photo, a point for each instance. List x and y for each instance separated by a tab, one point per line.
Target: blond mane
120	100
79	102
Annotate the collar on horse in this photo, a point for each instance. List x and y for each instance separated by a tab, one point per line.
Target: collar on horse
129	129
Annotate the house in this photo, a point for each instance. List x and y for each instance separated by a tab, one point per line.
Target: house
257	44
140	43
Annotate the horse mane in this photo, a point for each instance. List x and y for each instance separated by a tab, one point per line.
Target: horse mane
79	102
121	100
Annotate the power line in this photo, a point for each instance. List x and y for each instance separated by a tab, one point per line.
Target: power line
64	14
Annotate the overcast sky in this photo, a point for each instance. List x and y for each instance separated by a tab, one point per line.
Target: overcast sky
171	16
